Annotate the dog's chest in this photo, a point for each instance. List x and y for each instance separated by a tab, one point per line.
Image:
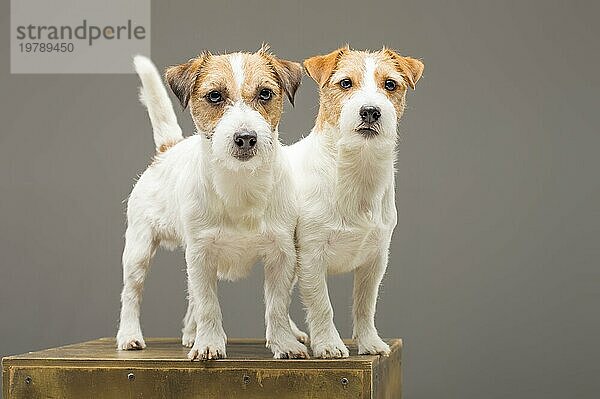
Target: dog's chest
237	251
346	234
349	247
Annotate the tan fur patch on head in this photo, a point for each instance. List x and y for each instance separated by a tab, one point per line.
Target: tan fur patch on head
215	75
387	69
194	82
349	65
329	70
259	75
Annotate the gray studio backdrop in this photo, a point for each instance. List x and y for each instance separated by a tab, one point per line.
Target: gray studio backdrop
493	279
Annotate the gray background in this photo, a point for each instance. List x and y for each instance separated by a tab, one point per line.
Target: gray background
493	279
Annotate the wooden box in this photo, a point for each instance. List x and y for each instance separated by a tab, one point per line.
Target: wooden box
96	370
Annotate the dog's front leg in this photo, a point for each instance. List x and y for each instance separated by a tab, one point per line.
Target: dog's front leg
279	279
210	338
325	340
366	286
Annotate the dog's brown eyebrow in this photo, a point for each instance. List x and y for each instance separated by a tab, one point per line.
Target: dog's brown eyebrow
268	84
210	86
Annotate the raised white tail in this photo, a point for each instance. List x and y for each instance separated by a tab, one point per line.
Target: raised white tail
154	96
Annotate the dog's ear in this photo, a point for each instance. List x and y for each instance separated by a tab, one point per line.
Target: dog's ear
182	78
321	67
410	68
289	74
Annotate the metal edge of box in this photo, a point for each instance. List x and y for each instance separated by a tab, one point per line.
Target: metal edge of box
32	359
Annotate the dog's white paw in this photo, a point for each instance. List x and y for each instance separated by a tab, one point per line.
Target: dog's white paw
188	336
187	339
333	347
130	341
372	345
299	334
291	349
208	350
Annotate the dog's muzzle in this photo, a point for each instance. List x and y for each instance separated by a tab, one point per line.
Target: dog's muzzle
369	115
244	145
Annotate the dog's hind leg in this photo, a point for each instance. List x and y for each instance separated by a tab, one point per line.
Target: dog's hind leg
189	323
140	246
299	334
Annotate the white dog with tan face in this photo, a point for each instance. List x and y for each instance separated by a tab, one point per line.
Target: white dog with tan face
345	174
225	194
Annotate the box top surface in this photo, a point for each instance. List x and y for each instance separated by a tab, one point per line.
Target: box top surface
169	351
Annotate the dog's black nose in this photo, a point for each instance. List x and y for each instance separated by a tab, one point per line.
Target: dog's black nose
245	140
369	114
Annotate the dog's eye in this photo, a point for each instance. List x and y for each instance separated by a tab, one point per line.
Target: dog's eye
390	85
346	83
265	94
214	97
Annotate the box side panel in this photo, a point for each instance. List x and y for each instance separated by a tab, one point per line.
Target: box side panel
387	377
5	379
184	383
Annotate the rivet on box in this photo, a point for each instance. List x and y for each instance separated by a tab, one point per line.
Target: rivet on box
131	376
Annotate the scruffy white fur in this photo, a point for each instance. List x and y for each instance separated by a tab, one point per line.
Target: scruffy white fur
347	215
226	214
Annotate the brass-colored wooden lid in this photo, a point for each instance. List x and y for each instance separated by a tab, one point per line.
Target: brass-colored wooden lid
96	369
